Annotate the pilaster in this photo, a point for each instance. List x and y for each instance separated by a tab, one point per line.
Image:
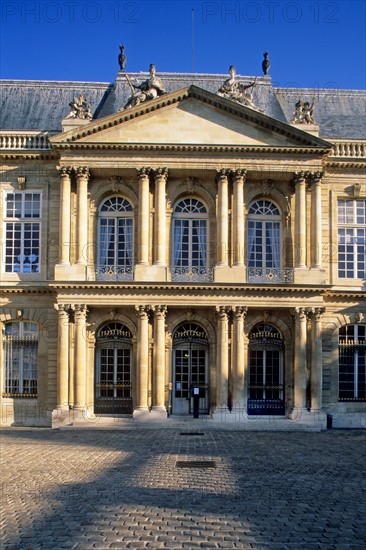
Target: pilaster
300	219
159	358
316	375
222	357
239	363
314	179
82	177
80	357
300	361
160	179
142	370
63	264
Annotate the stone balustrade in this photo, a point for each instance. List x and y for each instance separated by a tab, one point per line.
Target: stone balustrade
13	140
349	149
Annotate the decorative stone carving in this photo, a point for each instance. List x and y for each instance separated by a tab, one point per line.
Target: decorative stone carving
149	89
238	91
80	108
122	58
304	112
265	63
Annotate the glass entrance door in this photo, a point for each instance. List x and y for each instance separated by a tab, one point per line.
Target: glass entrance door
189	371
266	384
113	376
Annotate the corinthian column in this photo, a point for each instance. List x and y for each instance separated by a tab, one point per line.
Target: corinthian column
222	356
300	359
63	358
144	217
238	222
300	219
316	359
142	357
316	219
160	178
222	218
82	176
159	358
80	356
65	213
238	357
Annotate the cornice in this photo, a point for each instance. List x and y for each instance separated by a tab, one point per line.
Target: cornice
189	148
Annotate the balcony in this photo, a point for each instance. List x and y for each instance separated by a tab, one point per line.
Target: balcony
192	274
270	276
114	273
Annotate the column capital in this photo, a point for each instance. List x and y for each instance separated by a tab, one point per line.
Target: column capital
160	173
222	312
240	174
82	172
160	311
299	177
239	311
64	171
143	172
314	177
62	309
316	312
80	309
143	311
222	174
300	313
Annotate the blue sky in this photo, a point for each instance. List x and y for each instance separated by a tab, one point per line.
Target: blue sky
311	43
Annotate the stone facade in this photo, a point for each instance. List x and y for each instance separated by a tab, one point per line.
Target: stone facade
185	258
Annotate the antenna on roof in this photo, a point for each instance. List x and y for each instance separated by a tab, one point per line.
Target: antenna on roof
192	40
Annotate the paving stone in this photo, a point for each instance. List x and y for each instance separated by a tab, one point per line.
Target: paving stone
84	489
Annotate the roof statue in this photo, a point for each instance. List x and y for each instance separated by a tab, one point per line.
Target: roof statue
80	108
304	112
122	58
148	89
265	63
237	91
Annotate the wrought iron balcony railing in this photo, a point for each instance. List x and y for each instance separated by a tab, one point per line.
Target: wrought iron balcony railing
113	273
270	275
192	274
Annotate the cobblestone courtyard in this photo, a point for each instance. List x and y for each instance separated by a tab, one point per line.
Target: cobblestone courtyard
122	488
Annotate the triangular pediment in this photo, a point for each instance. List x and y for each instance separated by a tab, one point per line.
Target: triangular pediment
190	116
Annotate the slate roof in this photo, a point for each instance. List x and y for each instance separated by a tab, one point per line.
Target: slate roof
41	105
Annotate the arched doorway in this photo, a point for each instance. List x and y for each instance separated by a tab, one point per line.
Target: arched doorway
190	369
113	370
266	387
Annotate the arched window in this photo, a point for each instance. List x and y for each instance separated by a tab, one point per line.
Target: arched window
352	363
115	250
20	359
189	254
264	240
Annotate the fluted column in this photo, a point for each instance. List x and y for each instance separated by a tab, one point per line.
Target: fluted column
160	178
142	357
222	356
300	219
65	214
144	216
222	218
300	358
238	221
159	358
316	359
316	219
80	356
82	176
238	357
63	358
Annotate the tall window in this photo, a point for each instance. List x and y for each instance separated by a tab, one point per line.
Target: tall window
22	232
20	342
351	238
352	363
264	234
115	251
190	239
